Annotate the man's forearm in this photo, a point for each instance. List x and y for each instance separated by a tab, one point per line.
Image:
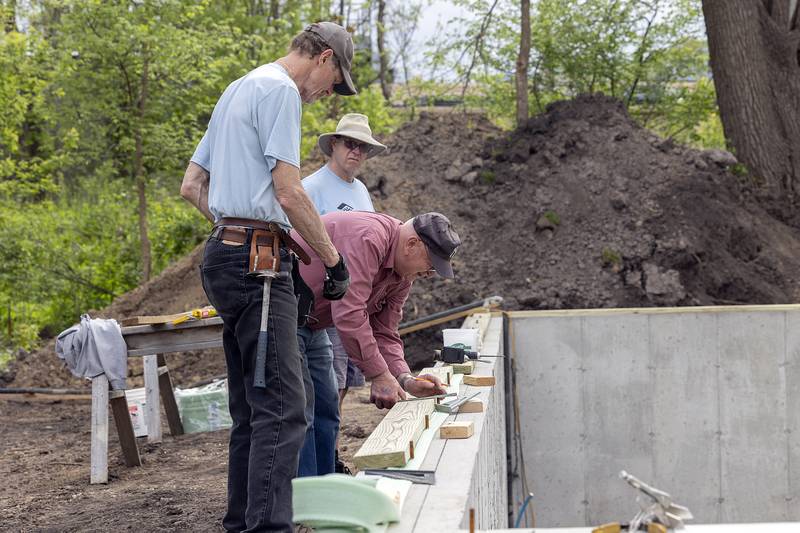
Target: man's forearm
302	213
194	188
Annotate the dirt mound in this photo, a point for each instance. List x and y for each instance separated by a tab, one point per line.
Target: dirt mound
579	208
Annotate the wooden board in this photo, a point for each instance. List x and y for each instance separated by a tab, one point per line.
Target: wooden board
168	338
457	430
99	446
122	419
46	398
390	444
152	405
479	381
479	321
442	320
150	320
444	373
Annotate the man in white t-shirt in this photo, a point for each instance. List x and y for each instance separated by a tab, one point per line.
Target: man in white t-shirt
332	188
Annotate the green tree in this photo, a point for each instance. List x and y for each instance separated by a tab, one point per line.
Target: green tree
145	65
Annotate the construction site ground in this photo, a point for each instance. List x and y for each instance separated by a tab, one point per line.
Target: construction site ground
579	208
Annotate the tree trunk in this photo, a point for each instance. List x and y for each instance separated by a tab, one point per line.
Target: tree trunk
382	55
753	46
522	62
139	176
9	11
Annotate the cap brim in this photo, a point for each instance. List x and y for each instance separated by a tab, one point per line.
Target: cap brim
346	88
441	265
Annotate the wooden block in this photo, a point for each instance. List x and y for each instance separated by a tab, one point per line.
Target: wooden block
463	368
457	430
388	445
479	381
122	419
99	447
472	406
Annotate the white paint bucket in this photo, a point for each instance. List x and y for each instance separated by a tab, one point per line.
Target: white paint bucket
466	338
136	408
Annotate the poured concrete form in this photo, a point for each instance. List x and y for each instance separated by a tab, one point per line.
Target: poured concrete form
470	473
703	403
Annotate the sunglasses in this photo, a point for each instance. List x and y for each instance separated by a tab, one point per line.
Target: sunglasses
350	144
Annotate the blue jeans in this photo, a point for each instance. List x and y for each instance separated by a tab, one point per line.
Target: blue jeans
268	424
317	457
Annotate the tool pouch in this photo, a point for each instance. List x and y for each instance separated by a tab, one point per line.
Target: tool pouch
264	251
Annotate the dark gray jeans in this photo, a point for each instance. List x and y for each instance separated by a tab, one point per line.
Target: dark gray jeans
268	424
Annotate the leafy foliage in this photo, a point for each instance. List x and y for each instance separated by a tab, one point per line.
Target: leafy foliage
651	55
87	87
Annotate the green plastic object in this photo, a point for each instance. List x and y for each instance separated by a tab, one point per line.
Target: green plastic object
341	503
204	408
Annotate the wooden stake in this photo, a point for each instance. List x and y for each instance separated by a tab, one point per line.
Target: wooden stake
471	520
99	446
411	449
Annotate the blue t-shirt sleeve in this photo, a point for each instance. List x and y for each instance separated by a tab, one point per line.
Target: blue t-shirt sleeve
202	154
311	186
277	122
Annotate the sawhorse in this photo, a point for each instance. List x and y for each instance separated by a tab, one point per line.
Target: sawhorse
150	342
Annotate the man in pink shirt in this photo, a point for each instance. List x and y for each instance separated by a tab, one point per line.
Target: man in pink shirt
384	256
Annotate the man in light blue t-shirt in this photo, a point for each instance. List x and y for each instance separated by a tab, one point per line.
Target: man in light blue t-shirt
245	177
334	187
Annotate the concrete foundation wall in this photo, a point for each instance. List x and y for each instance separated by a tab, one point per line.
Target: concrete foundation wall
703	403
470	473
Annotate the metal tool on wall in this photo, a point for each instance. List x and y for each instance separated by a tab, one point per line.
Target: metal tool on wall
420	477
453	405
458	355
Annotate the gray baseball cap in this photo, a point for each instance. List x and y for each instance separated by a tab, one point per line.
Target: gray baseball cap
442	241
342	45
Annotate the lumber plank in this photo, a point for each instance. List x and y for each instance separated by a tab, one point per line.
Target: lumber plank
388	445
46	398
99	446
479	381
444	373
168	399
201	334
441	320
152	405
457	430
479	321
127	439
150	320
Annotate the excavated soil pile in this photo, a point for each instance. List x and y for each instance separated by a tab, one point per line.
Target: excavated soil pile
579	208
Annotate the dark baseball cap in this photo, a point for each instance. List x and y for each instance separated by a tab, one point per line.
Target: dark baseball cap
341	43
441	240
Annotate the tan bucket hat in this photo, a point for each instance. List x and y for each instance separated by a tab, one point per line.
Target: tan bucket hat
354	126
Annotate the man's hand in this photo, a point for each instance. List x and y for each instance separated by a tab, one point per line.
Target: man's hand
337	280
385	391
424	385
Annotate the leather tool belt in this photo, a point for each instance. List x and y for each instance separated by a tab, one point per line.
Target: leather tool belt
265	241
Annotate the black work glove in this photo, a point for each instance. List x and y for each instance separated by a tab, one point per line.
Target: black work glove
337	279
